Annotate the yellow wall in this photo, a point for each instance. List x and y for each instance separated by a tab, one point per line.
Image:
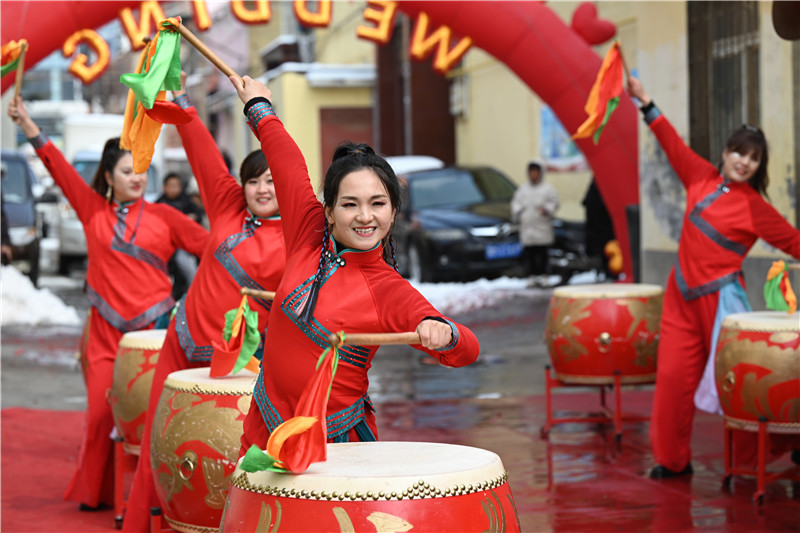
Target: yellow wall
298	107
777	110
500	127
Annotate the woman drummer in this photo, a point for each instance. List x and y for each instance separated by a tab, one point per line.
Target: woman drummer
726	212
337	278
245	249
129	242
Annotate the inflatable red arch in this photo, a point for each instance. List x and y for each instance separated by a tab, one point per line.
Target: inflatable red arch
553	59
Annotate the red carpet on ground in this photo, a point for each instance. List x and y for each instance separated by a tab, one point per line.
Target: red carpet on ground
39	453
579	479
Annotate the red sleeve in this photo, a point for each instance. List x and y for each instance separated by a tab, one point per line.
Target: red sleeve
218	189
83	199
770	225
402	308
687	164
302	215
186	233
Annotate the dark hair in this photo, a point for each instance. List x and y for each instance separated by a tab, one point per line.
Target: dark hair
173	175
749	139
112	153
534	165
253	166
350	157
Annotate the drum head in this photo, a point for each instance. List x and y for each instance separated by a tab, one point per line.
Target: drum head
198	380
392	467
145	339
774	321
608	290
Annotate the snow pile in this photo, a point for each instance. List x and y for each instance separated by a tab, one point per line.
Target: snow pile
454	298
24	304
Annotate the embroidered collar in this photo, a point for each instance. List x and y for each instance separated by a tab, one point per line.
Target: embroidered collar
353	254
123	205
256	220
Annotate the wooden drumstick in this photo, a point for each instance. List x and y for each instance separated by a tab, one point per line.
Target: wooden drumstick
20	71
206	51
372	339
266	295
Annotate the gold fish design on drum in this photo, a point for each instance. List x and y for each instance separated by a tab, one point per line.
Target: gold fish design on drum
195	443
757	370
594	331
134	368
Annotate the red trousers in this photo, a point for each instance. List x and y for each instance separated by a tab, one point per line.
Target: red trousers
684	348
143	491
93	482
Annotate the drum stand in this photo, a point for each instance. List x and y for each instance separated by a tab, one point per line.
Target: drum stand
616	416
124	465
763	477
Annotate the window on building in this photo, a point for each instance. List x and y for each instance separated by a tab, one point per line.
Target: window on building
723	72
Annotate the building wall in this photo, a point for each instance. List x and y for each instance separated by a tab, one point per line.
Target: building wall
298	106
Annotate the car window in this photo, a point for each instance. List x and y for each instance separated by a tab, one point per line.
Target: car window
459	187
86	168
15	186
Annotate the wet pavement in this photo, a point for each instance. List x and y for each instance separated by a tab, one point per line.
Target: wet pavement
578	478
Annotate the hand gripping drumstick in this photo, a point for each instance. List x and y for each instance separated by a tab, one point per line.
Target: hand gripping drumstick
266	295
371	339
20	71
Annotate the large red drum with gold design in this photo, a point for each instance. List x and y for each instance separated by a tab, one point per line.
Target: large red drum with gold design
378	486
130	387
595	331
195	443
757	370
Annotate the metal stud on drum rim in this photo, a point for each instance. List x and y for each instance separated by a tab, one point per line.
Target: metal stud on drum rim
383	486
757	370
195	443
595	331
131	383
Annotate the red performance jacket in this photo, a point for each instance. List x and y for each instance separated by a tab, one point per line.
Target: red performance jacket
129	247
723	220
242	250
360	293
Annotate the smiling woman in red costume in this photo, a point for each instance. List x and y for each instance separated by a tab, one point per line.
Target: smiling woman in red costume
245	249
129	242
725	214
337	278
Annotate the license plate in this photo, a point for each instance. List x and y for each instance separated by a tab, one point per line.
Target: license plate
503	251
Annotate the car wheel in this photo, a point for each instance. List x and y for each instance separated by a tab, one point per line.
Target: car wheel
33	273
64	265
417	269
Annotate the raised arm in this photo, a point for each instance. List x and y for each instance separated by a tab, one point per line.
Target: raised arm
218	189
301	213
81	196
685	161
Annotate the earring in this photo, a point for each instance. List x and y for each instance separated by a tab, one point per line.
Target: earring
109	193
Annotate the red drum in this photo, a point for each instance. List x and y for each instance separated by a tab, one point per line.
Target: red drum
378	486
195	443
130	387
757	370
594	331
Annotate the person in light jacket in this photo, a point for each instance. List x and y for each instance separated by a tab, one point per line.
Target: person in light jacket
533	206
